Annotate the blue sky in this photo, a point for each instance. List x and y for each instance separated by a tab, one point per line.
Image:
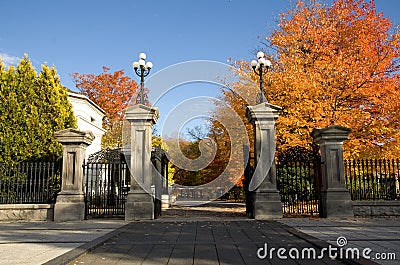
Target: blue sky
82	36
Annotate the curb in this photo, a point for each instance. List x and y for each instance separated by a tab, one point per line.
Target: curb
323	244
79	251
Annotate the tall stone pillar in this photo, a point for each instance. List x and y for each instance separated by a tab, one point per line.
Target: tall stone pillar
267	202
140	203
335	197
70	203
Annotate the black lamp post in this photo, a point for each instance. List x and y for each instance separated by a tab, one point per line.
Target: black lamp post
142	69
259	67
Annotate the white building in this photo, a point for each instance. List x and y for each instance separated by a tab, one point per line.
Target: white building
89	118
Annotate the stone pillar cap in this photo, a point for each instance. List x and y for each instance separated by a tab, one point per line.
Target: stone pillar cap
141	112
333	132
74	136
263	111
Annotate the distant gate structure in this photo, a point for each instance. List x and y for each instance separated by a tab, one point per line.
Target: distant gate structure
106	184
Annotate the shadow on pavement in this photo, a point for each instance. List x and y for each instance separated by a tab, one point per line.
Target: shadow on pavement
220	210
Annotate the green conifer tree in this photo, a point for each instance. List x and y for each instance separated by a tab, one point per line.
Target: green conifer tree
33	106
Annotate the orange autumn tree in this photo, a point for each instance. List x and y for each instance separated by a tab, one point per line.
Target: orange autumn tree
220	120
336	64
112	92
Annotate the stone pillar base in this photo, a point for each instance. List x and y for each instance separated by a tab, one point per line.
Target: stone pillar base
336	203
69	207
139	206
164	201
267	205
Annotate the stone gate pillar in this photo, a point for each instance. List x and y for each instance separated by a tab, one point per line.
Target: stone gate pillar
140	203
335	197
267	202
70	203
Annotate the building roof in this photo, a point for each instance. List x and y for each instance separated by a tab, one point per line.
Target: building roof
83	97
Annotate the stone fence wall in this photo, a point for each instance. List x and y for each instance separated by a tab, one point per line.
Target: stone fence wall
26	212
45	212
376	208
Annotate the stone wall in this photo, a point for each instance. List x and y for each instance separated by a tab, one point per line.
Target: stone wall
376	208
26	212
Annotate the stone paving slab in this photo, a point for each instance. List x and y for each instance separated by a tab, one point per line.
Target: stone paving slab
381	235
38	242
196	242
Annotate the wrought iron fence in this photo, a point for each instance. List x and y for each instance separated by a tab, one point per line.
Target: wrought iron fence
373	179
30	182
298	185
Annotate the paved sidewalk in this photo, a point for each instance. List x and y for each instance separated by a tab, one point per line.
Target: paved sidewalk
381	235
38	242
197	242
216	233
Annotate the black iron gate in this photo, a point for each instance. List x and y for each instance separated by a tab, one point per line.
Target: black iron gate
298	182
298	176
248	173
106	185
160	162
